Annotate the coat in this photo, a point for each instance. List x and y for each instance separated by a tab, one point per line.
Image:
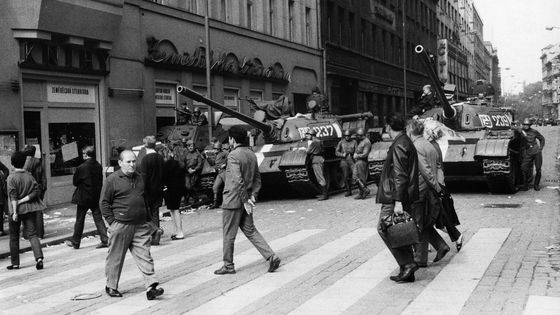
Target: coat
151	170
243	179
88	180
399	177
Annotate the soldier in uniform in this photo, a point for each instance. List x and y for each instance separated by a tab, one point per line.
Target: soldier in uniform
317	102
345	150
192	163
315	153
360	171
197	118
531	153
220	166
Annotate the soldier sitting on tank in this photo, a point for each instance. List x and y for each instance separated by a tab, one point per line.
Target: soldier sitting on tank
220	167
317	102
192	163
345	150
531	153
197	118
427	101
183	115
360	170
315	154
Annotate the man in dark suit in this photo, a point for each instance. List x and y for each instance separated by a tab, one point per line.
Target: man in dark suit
243	182
88	180
151	169
397	190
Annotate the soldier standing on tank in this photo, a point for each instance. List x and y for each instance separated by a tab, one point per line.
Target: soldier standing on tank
192	163
315	153
197	118
345	150
220	167
531	153
360	171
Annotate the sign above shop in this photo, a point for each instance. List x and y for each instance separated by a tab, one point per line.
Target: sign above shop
165	94
164	53
70	93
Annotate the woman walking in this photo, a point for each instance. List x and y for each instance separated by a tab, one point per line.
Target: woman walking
24	202
174	189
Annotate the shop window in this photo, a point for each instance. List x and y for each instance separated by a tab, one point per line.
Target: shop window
66	141
256	95
231	98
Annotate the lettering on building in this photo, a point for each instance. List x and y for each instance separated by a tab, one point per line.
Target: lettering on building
164	53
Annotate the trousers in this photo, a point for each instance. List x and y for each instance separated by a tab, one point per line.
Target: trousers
360	171
428	235
29	221
403	255
136	239
219	183
81	212
233	220
318	170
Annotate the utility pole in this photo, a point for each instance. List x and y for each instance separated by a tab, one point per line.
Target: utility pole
208	78
404	53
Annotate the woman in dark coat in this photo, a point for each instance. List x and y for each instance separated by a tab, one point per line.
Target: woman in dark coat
174	189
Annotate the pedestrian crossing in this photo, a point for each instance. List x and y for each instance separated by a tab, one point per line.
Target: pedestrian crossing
305	252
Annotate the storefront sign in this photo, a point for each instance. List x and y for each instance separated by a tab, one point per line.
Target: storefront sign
69	93
165	94
443	59
163	52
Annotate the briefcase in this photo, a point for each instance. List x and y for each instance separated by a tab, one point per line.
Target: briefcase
401	230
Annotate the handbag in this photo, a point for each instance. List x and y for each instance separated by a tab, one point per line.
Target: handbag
400	230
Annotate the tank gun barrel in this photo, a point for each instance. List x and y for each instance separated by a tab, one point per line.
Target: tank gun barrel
448	111
355	116
267	129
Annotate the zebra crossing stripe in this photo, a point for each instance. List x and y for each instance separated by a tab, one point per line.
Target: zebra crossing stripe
178	285
235	300
60	298
542	305
456	281
348	290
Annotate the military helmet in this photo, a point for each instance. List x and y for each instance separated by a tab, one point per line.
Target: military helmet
196	110
360	132
347	133
218	145
527	121
311	132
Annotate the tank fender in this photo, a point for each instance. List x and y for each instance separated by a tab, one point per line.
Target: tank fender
492	147
379	151
293	158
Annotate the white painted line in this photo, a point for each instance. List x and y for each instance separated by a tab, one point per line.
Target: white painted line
178	285
352	287
50	301
235	300
456	281
542	305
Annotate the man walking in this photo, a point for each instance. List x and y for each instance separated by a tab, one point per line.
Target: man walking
531	153
315	153
123	206
398	189
345	151
243	182
151	169
427	208
360	173
88	180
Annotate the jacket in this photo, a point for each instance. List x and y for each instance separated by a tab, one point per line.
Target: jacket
122	199
88	180
399	177
151	170
345	149
20	184
427	164
363	148
243	179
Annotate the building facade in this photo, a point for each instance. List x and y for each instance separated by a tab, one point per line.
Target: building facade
104	72
495	72
550	60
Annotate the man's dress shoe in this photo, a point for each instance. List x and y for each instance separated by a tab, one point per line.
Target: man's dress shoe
441	253
274	263
224	271
153	292
112	292
408	273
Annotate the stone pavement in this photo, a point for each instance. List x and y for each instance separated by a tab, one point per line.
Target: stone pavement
510	262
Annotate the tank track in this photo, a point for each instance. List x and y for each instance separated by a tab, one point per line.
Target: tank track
206	181
499	175
298	178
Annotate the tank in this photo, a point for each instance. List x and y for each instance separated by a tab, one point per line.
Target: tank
484	146
280	146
